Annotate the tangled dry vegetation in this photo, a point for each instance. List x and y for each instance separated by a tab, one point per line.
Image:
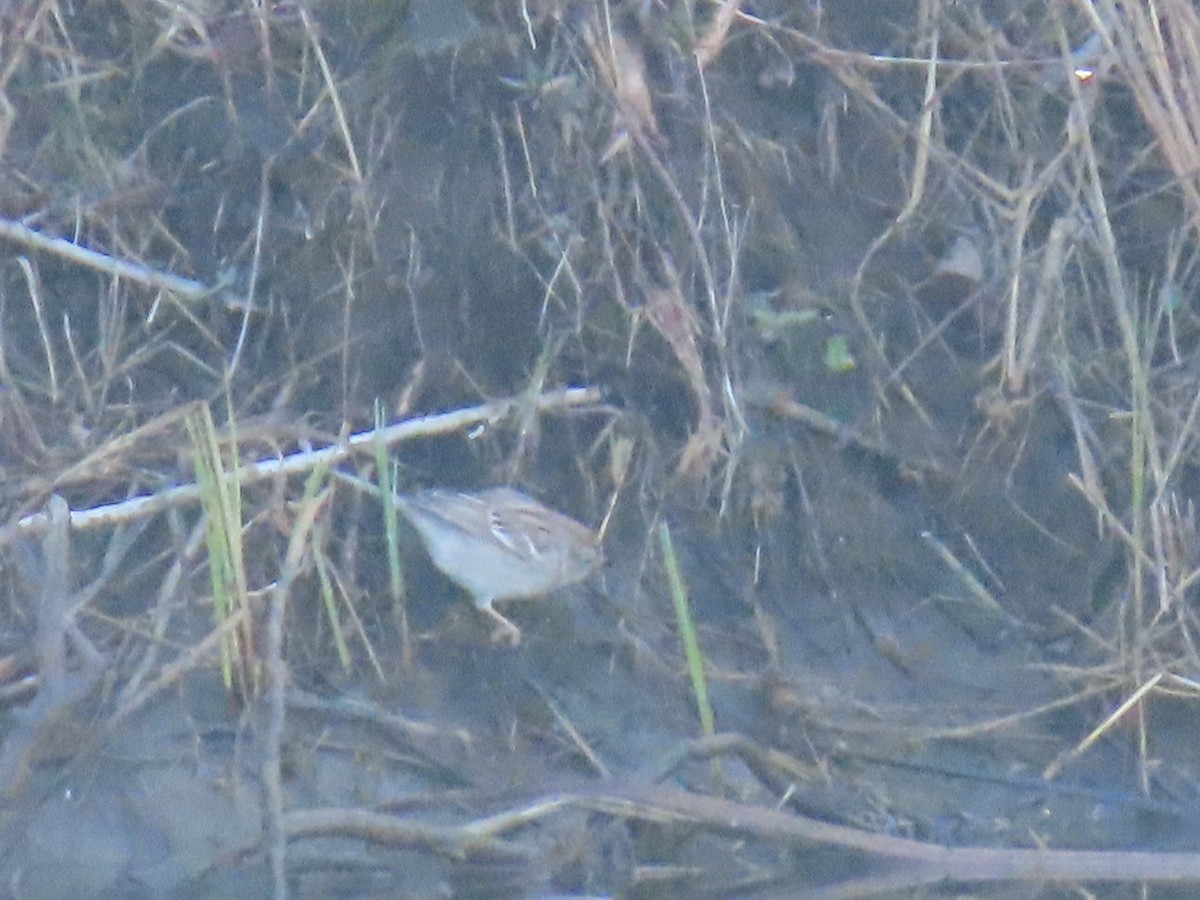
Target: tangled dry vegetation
658	259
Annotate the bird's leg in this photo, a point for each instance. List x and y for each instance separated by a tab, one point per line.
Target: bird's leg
507	630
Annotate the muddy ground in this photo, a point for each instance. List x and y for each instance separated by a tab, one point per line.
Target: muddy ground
843	321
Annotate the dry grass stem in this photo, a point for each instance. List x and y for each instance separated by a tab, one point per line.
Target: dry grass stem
1157	46
708	47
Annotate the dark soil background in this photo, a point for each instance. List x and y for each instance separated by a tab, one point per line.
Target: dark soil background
852	332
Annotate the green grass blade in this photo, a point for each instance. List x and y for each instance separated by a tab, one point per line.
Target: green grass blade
687	631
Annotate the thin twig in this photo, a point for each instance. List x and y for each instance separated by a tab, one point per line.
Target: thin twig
184	288
150	504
